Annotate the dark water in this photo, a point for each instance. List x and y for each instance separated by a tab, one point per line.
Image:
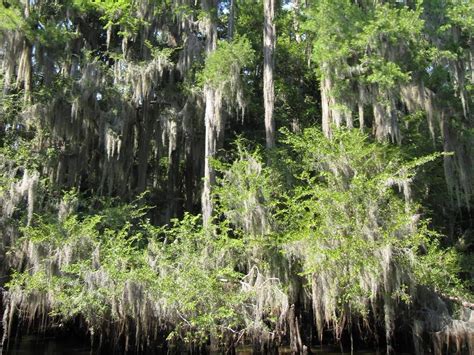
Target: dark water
321	350
37	345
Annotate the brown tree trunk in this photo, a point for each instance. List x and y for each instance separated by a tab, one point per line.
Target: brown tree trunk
269	39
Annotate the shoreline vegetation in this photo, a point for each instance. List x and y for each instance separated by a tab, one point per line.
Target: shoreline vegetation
237	176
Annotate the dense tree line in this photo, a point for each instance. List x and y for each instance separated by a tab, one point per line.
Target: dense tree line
202	175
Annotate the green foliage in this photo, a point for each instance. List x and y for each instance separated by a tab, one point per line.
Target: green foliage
197	276
386	74
340	224
257	187
296	101
226	62
349	36
87	264
11	18
347	213
122	13
335	23
439	268
461	13
392	24
342	211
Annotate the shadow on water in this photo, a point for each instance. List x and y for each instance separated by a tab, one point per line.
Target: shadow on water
38	345
320	350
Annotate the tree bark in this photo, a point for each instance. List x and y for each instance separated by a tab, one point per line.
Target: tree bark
211	115
231	24
25	71
28	52
296	343
269	39
330	114
144	128
25	75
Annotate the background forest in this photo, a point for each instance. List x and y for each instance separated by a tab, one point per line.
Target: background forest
201	174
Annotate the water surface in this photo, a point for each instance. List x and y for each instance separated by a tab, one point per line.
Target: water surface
42	345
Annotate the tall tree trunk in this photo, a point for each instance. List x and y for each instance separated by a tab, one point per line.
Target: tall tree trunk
296	124
144	129
296	344
24	70
231	24
25	75
330	114
296	23
28	52
174	137
269	39
211	115
360	107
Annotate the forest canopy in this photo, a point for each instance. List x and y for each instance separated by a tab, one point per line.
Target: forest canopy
201	175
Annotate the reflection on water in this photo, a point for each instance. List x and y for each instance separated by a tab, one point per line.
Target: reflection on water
37	345
320	350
